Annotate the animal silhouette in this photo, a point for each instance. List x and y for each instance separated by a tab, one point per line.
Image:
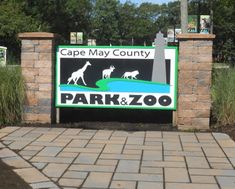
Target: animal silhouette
75	76
130	75
107	72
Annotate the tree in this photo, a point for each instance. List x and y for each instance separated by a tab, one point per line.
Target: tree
147	14
50	12
105	18
174	13
13	20
224	29
62	16
79	15
127	22
169	17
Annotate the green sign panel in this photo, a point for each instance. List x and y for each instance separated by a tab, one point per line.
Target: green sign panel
116	77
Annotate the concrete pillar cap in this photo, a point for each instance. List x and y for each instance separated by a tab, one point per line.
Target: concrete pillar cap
195	36
38	35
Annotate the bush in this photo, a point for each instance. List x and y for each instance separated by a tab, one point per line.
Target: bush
11	95
223	96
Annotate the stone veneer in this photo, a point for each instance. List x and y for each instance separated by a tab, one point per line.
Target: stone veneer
37	62
194	78
194	81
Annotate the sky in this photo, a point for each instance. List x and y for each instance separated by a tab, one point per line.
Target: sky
150	1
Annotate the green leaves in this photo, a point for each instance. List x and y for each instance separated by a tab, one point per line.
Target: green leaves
224	28
119	23
13	20
105	21
109	21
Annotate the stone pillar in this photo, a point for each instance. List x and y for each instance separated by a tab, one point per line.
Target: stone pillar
194	81
37	62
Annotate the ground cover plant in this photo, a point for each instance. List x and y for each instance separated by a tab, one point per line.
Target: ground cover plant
11	95
223	96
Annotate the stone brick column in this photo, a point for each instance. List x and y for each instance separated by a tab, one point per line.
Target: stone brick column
194	81
37	62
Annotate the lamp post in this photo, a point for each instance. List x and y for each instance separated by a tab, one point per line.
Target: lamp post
174	26
184	15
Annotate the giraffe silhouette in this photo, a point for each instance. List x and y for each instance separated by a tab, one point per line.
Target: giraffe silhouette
75	76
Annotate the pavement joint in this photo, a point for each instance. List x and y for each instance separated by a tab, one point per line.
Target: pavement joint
226	136
118	161
28	173
77	157
185	161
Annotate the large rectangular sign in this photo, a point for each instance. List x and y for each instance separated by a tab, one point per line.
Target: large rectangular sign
115	77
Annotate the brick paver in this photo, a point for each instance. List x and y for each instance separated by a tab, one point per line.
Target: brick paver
91	168
226	182
150	185
70	182
176	175
55	169
31	175
16	162
75	174
86	158
50	151
98	180
138	177
76	158
123	184
43	185
191	186
128	166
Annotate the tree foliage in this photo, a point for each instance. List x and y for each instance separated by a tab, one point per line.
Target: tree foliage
112	22
61	16
224	28
127	18
146	17
105	21
14	20
223	21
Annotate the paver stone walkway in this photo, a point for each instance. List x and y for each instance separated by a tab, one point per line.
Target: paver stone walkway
100	159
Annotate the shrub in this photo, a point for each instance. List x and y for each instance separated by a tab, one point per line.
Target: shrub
11	95
223	96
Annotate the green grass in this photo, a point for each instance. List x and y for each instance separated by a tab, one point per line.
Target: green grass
223	96
11	95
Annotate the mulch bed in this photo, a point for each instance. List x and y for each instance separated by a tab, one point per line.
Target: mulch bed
228	129
9	179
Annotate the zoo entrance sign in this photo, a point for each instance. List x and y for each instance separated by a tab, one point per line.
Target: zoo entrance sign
116	77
